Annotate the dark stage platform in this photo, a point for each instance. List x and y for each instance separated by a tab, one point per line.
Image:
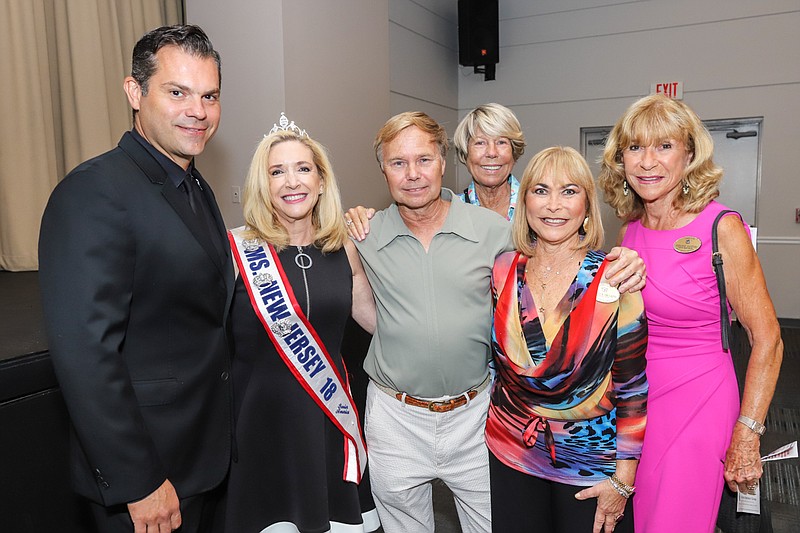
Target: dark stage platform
21	328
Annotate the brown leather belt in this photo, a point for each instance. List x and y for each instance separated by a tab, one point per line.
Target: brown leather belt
437	406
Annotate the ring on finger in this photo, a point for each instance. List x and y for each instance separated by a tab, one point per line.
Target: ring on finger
348	221
752	486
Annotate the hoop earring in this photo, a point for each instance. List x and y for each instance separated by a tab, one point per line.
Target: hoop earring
625	190
685	188
585	223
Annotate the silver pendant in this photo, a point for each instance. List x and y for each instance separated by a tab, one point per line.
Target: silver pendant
302	259
281	327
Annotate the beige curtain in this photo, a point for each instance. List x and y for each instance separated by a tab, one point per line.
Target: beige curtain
61	64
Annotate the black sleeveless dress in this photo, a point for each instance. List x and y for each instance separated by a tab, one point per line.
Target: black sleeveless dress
290	456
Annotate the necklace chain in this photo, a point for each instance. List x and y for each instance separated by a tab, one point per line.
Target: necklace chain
544	279
549	271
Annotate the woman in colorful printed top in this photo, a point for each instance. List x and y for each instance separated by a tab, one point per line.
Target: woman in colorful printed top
489	140
568	408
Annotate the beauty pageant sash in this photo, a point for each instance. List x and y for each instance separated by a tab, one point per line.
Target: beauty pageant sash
298	343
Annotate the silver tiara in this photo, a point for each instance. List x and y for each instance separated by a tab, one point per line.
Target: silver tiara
285	125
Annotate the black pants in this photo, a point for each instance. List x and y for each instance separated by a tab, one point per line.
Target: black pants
525	503
201	513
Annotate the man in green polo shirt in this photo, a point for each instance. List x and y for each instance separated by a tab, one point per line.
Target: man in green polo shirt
429	262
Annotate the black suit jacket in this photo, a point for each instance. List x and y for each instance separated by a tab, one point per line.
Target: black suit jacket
136	301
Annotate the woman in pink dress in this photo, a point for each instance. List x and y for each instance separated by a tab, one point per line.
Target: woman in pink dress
659	176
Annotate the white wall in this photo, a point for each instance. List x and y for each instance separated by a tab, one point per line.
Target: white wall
565	64
423	59
324	63
249	37
337	85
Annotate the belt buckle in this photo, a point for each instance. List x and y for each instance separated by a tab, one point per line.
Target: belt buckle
432	405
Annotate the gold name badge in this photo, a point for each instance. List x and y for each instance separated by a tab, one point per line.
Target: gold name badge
687	245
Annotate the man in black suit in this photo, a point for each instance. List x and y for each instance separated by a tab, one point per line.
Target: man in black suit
136	278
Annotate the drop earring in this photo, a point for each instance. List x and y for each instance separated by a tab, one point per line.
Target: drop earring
685	188
625	190
585	223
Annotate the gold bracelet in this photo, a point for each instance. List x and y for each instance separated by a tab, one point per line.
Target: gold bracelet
620	486
617	488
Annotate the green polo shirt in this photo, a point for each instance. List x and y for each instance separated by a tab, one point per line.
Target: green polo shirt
433	336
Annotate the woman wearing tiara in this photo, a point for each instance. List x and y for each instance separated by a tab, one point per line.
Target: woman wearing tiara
300	452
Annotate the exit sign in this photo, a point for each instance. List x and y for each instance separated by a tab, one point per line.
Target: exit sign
673	89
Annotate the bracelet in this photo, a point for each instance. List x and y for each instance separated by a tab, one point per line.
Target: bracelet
756	427
622	488
618	489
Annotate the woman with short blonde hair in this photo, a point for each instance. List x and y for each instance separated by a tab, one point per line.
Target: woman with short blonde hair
565	161
489	141
569	405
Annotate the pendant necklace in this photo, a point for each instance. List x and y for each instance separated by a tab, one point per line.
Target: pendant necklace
304	262
544	279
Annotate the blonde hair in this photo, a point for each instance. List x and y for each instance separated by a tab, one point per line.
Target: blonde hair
648	121
565	161
401	121
494	120
259	213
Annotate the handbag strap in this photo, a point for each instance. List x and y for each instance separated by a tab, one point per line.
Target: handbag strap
716	261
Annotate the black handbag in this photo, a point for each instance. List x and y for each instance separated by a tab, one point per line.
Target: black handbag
728	520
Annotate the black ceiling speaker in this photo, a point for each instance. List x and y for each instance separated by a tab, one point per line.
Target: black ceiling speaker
478	36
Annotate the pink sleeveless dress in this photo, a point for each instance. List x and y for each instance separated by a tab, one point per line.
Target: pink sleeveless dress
694	398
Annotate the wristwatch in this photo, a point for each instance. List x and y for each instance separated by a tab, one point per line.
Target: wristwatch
756	427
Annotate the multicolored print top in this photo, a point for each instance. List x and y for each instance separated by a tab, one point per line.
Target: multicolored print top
570	396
